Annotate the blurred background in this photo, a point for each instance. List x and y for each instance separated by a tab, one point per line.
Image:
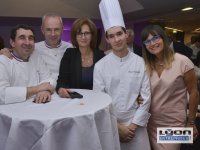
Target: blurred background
137	14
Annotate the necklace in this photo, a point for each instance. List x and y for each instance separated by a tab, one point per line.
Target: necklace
87	61
86	57
160	64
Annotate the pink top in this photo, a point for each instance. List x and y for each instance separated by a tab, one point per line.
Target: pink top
169	94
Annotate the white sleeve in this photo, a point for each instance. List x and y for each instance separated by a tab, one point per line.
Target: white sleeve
98	83
44	73
142	114
9	94
15	94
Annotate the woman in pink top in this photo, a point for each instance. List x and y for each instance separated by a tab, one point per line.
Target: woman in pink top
172	76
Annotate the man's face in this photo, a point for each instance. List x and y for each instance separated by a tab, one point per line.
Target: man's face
24	43
52	29
117	38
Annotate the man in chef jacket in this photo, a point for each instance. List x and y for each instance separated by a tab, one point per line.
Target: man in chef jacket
52	48
122	75
25	75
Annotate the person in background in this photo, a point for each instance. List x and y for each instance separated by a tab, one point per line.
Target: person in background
52	48
192	40
196	49
180	47
122	75
77	64
172	76
198	60
25	75
1	43
131	45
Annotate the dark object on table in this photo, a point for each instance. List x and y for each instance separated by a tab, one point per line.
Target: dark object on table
75	95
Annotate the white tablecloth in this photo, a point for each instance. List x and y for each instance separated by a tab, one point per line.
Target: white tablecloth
62	124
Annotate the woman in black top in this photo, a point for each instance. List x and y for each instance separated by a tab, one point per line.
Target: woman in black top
77	64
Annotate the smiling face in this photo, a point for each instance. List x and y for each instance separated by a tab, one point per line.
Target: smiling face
24	43
84	36
117	38
52	29
154	44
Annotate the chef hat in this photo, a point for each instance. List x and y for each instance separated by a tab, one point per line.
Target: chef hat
111	14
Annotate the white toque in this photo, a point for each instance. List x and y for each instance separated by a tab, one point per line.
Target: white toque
111	14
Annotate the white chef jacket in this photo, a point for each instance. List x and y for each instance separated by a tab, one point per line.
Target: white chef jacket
124	79
52	56
16	76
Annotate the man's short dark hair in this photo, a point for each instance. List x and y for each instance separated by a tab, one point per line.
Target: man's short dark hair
13	32
124	29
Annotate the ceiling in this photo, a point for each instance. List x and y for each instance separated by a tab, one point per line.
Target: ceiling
166	12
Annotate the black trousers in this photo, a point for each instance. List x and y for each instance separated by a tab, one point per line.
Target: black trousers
196	144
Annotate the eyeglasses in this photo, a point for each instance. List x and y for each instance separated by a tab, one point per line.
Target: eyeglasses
83	34
154	39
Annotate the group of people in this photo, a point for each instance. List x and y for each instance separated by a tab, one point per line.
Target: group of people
76	64
165	80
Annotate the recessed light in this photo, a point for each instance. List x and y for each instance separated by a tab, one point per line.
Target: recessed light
174	31
186	9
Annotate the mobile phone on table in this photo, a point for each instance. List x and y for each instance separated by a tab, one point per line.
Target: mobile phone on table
75	95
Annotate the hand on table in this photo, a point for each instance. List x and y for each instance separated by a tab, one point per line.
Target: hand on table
64	93
42	97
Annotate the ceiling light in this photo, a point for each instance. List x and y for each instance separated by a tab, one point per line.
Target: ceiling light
197	29
186	9
173	29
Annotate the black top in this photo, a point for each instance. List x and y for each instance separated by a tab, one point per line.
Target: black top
87	77
70	72
182	49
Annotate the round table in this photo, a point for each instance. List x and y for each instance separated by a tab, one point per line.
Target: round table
62	124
